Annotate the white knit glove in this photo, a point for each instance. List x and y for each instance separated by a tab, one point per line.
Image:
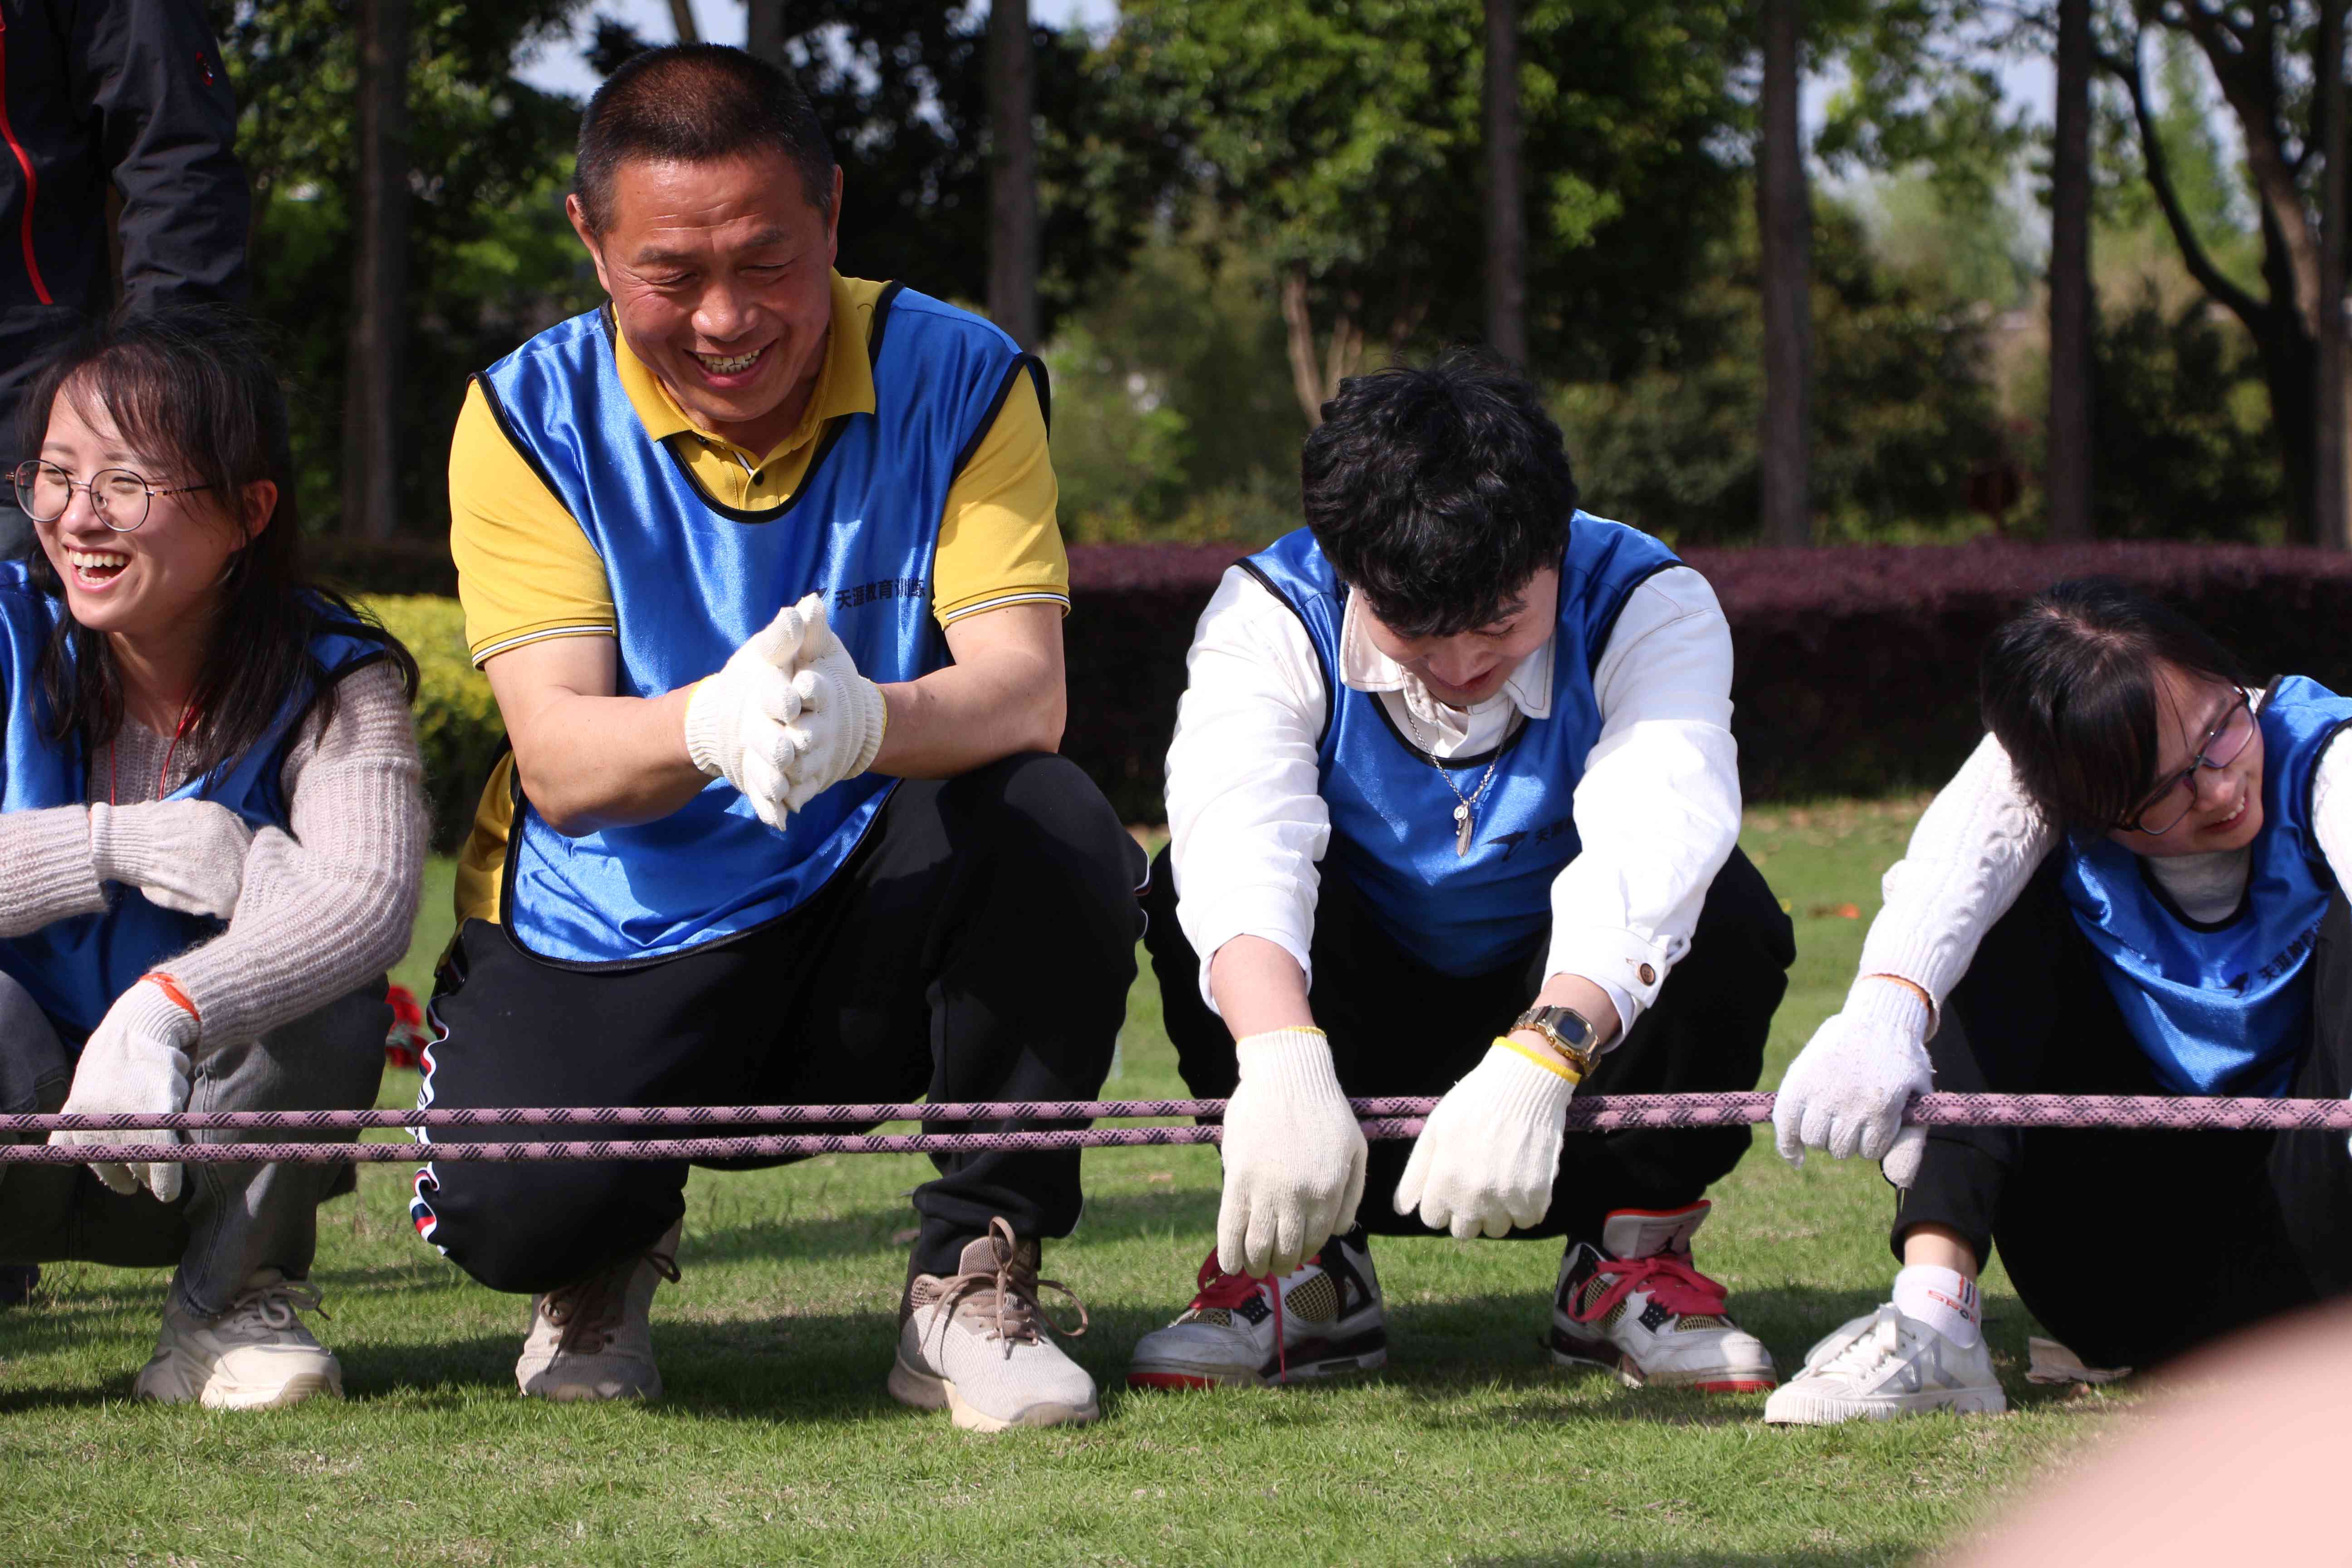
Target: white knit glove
842	715
1847	1089
1489	1153
736	722
136	1061
185	855
1294	1155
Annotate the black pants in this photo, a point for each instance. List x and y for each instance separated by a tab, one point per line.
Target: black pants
2130	1246
978	947
1399	1027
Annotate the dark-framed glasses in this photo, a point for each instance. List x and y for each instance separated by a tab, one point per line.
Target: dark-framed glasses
2177	797
118	496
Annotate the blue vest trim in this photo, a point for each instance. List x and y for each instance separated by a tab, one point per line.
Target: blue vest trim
692	578
1390	801
2222	1007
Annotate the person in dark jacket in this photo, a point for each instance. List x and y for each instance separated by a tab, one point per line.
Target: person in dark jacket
130	94
93	93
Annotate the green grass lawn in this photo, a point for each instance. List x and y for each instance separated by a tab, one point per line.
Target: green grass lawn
777	1444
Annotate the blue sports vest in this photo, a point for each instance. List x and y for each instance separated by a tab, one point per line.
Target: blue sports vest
1393	813
2223	1009
74	968
693	579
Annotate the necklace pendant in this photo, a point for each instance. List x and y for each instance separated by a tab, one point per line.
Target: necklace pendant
1461	830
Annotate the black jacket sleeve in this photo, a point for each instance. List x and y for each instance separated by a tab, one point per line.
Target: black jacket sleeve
166	127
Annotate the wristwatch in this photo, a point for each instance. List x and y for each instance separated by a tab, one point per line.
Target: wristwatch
1570	1034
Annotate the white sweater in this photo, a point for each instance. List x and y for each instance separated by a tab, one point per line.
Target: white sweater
1657	811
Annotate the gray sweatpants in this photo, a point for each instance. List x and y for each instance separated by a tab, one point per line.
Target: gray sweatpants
229	1220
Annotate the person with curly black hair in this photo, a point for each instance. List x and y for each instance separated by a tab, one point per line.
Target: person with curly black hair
1454	806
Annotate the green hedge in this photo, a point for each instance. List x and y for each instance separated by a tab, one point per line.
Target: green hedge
458	725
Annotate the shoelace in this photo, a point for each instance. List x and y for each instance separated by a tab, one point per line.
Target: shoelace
1870	1348
273	1307
1218	1288
1018	1311
590	1312
1673	1282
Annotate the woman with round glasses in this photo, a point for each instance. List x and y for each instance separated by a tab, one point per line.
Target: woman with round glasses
212	823
2131	887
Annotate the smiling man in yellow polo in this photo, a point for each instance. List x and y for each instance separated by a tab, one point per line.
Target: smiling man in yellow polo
761	564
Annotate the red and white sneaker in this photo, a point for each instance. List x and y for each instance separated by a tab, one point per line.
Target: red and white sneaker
1636	1304
1321	1320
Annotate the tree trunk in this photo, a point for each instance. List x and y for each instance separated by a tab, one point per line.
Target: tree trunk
371	381
1012	173
1313	385
1506	223
681	16
2067	477
764	31
2333	525
1784	223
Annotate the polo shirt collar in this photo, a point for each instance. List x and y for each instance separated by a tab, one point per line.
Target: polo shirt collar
1364	667
845	385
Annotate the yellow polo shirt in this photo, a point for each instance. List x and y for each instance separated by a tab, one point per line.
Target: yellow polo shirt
526	571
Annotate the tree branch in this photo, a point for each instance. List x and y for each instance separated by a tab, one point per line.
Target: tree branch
2210	278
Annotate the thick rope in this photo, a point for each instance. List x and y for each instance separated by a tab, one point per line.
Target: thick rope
1384	1119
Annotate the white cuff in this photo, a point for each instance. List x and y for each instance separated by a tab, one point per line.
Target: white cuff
1617	960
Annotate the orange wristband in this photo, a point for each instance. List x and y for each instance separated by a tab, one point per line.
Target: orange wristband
171	987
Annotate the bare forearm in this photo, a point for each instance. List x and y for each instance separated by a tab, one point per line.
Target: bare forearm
590	763
970	714
1258	986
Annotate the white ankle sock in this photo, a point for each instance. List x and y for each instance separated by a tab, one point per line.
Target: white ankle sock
1940	1299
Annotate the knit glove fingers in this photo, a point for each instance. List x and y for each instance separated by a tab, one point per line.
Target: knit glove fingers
738	720
1490	1154
1847	1089
839	732
135	1062
184	854
1294	1155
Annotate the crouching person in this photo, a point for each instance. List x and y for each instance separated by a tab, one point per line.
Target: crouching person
212	819
2135	886
761	563
1452	808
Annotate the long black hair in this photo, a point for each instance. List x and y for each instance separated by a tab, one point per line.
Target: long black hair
2071	689
195	388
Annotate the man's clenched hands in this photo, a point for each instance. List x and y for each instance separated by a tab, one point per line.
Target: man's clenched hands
1294	1155
738	720
1489	1153
839	729
1847	1089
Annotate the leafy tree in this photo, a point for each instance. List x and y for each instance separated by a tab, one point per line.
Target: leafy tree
1345	138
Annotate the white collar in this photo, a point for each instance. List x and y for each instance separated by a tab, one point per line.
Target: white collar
1364	667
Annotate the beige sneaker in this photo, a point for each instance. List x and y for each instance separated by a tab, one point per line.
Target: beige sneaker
971	1343
254	1356
593	1339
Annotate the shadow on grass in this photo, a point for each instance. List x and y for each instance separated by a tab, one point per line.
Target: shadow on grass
1115	1217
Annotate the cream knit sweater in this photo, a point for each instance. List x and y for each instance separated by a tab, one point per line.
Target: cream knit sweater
324	907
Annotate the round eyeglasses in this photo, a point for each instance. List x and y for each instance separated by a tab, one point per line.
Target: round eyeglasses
2174	800
118	496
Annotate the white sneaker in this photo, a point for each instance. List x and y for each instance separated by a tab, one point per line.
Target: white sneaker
1321	1318
1886	1364
1638	1306
254	1356
593	1339
972	1342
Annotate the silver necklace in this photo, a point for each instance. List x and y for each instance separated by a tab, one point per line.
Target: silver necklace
1462	811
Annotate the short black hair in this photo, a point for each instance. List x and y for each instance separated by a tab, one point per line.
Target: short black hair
697	103
2069	689
1438	491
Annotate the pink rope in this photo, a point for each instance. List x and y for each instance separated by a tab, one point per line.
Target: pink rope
1385	1118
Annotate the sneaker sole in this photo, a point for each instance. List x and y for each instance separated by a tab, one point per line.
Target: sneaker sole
1568	1350
925	1391
589	1394
1808	1410
1246	1377
270	1396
